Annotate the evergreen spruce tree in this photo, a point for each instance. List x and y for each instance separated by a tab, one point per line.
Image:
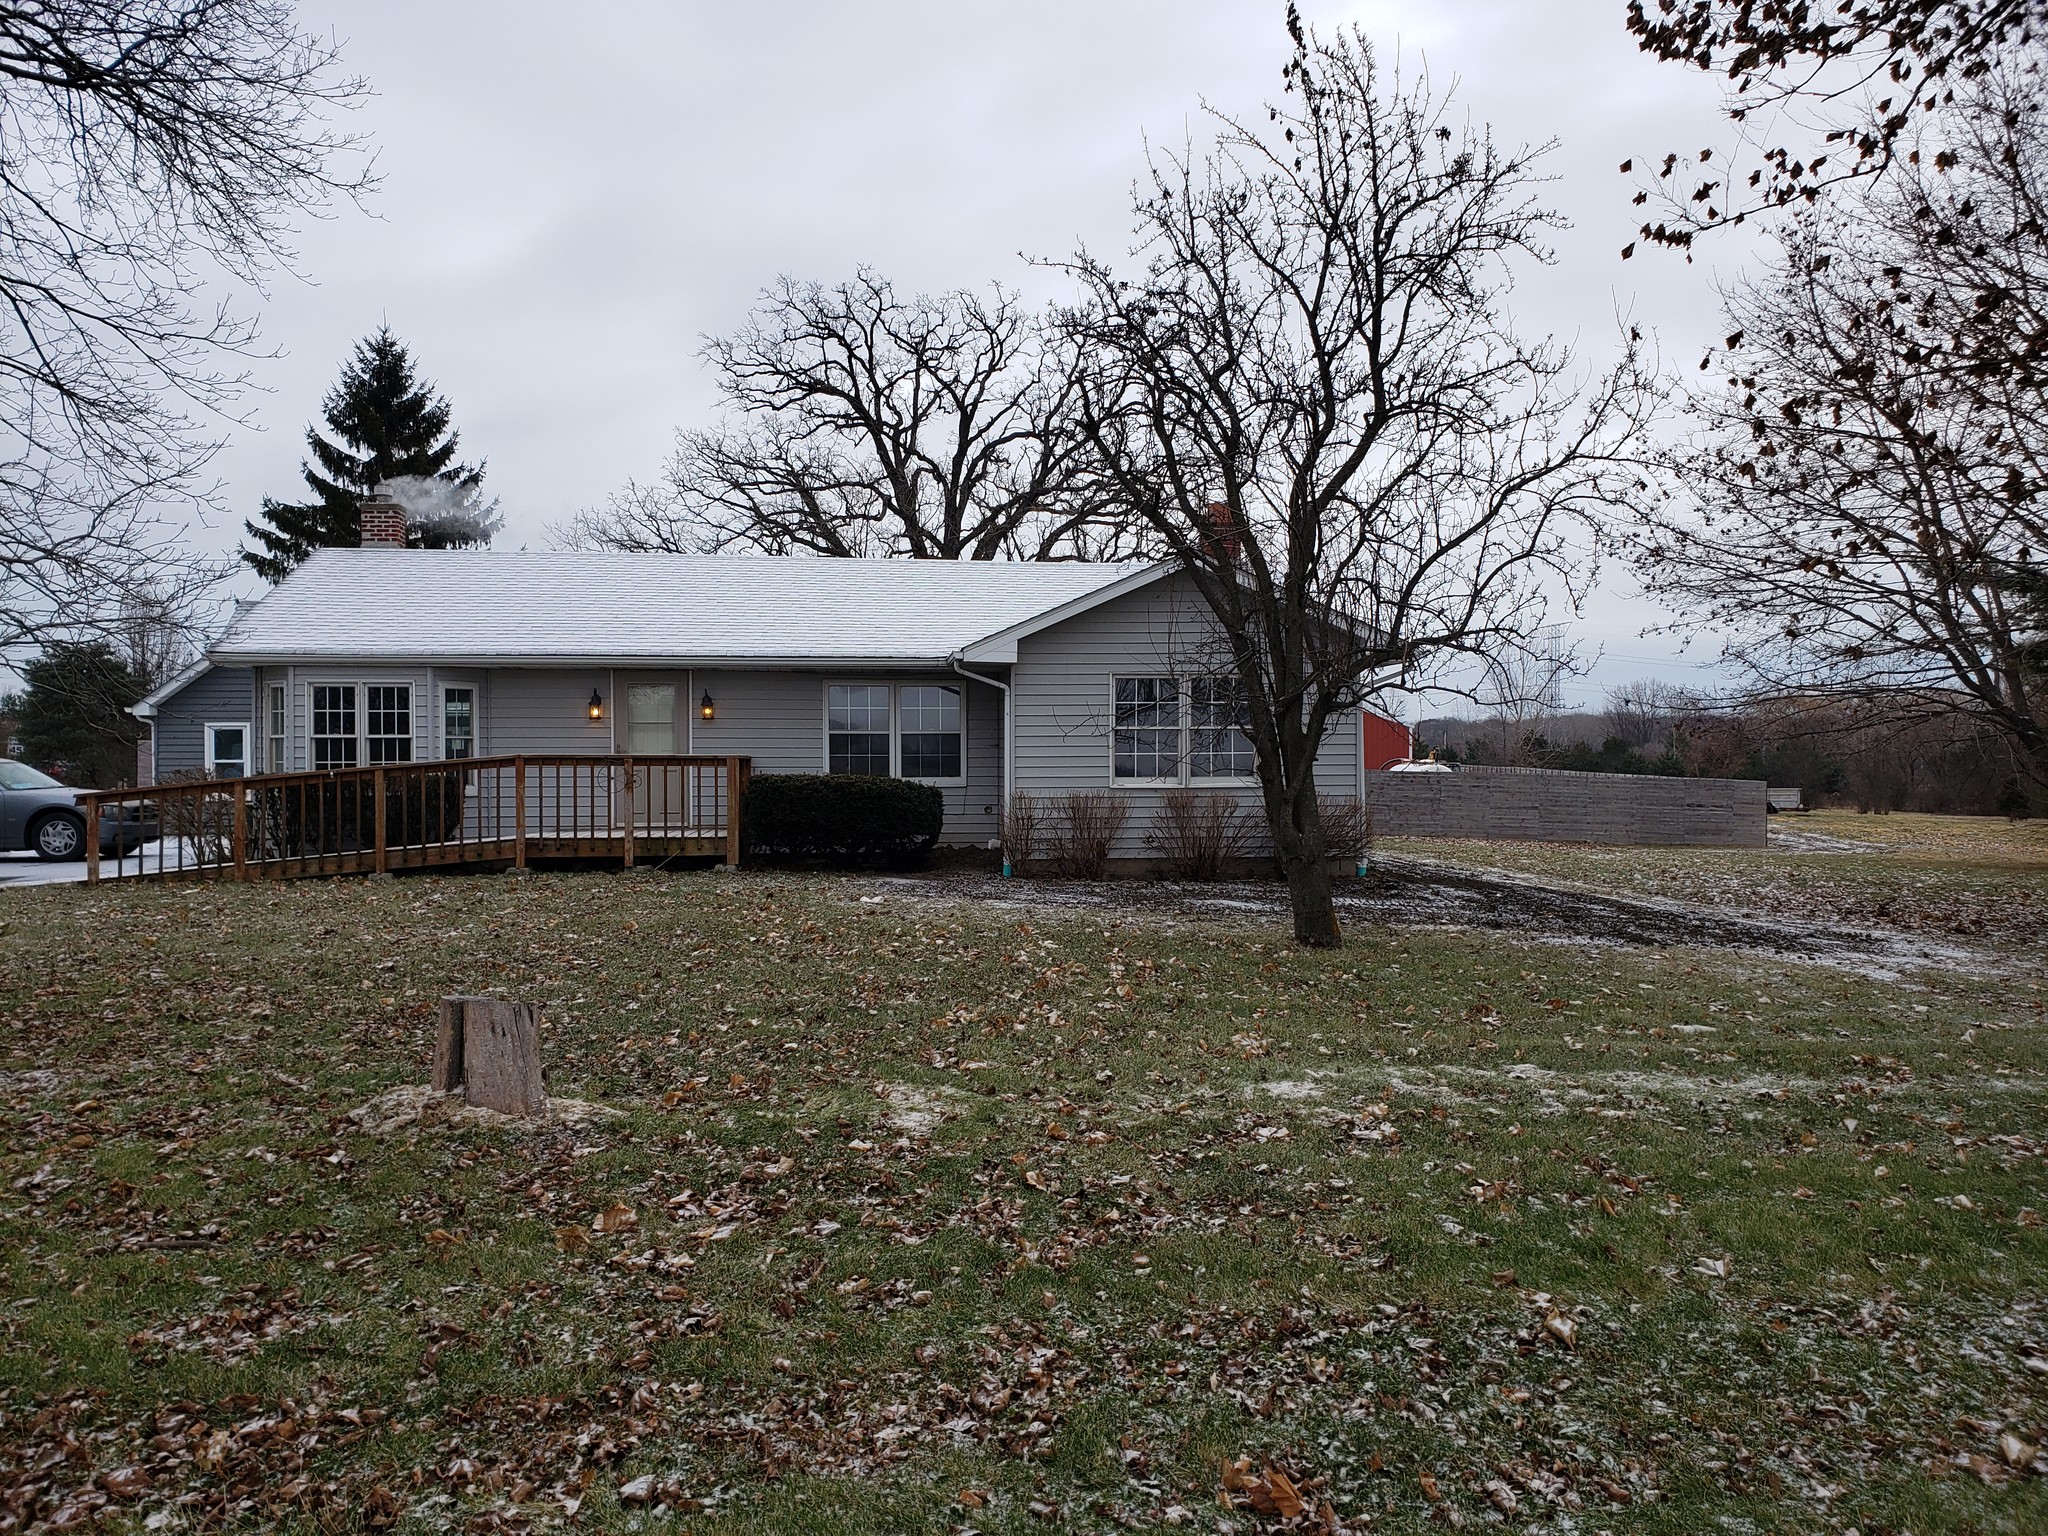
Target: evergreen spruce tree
385	423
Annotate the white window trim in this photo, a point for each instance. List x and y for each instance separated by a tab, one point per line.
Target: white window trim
895	688
441	692
248	735
363	682
277	711
1109	739
1186	778
312	685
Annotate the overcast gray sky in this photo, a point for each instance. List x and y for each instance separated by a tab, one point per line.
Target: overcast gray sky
573	195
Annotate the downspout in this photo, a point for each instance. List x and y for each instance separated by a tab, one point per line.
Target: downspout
1009	749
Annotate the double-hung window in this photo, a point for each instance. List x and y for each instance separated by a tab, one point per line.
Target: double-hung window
1218	745
387	724
334	734
458	722
928	725
1146	734
1168	730
857	728
276	722
915	730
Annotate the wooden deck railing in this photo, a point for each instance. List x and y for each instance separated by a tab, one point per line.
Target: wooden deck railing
465	811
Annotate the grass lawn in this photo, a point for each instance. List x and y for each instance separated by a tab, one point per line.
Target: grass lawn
931	1214
1975	876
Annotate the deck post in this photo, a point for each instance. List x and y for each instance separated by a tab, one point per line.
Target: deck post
379	798
519	813
735	789
629	812
92	841
241	832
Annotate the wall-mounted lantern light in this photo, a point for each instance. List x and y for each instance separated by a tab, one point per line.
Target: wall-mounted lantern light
596	705
705	710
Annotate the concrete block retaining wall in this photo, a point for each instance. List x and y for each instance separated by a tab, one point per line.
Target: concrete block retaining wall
1543	805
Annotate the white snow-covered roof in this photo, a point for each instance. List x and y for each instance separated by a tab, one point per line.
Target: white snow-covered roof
537	608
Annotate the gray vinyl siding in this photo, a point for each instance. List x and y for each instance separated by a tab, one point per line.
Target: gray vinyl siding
1062	700
778	719
218	696
546	711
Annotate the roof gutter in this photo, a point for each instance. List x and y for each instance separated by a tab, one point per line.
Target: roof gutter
1009	747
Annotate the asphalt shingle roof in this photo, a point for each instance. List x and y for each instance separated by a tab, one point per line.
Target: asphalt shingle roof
509	606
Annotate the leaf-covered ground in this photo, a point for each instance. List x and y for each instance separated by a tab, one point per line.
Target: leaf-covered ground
934	1214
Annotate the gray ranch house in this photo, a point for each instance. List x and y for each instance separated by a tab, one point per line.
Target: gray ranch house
982	678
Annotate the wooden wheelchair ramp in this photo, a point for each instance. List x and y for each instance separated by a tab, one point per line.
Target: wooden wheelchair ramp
478	811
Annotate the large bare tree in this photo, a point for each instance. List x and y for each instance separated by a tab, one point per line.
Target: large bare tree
1313	396
149	150
863	422
1870	471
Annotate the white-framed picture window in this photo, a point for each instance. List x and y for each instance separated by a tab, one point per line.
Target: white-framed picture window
458	721
334	735
1174	731
907	730
227	750
277	729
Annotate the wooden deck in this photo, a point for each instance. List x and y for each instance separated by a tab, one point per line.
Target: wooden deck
460	813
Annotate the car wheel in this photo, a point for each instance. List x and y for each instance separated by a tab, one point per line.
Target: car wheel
58	838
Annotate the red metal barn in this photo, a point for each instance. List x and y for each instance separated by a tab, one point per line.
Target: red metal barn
1386	742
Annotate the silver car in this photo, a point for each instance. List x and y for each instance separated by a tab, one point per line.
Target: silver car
39	813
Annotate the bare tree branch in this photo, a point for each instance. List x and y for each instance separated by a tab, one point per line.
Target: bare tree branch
870	424
147	147
1873	474
1821	94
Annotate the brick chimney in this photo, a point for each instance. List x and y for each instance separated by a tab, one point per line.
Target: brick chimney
1224	540
383	523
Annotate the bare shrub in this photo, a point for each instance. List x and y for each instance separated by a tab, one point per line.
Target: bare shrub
204	823
1347	826
1023	829
1196	835
1080	829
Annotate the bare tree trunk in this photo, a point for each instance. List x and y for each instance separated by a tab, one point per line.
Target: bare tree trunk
1297	823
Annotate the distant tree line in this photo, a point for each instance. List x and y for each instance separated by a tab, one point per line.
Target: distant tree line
1835	752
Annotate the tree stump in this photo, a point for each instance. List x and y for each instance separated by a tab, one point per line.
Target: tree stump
489	1050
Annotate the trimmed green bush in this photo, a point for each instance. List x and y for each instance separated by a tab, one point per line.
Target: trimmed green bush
843	819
